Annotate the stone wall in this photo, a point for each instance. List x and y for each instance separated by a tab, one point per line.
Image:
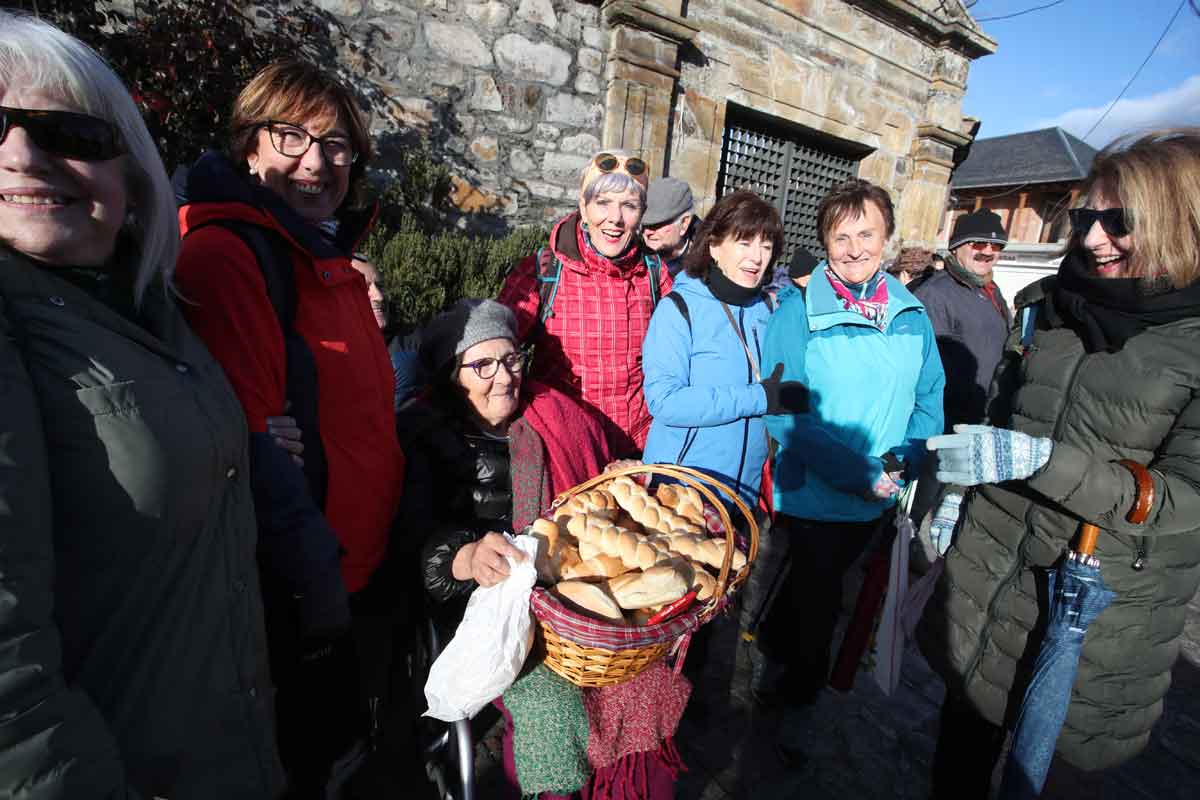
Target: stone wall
508	92
516	94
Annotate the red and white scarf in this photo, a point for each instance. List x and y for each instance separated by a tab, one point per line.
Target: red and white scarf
873	308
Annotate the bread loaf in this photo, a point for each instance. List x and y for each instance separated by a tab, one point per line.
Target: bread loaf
595	567
545	533
597	502
592	599
646	510
685	501
704	549
661	584
597	536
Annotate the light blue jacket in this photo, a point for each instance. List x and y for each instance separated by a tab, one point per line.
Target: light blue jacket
872	392
706	402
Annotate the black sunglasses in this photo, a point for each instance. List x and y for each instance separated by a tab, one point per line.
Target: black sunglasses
1114	221
607	162
66	134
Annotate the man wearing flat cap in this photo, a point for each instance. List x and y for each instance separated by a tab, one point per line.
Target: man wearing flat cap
670	221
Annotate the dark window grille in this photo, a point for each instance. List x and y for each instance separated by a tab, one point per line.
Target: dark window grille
788	169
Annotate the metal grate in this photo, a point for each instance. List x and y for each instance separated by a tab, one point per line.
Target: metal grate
789	172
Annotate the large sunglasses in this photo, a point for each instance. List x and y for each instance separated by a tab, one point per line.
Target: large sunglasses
66	134
487	368
979	247
293	141
1114	221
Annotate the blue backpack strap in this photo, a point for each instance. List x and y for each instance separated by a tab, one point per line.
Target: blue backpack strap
1028	326
549	270
653	267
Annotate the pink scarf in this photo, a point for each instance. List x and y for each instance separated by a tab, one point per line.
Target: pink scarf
873	308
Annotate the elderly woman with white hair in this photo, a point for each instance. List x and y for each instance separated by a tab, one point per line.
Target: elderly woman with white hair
134	660
585	300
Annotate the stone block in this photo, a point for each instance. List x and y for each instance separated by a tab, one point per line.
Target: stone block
521	162
491	14
563	168
486	97
589	59
344	8
587	83
587	11
546	137
571	27
397	8
506	124
539	12
701	117
457	43
542	62
583	143
571	110
594	37
444	73
543	189
471	199
412	112
750	74
486	148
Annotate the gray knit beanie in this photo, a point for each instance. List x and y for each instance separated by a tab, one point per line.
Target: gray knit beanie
462	326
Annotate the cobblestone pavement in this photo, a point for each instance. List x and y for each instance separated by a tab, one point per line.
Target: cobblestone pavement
864	745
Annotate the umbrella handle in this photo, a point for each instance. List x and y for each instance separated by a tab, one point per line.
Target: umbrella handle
1137	515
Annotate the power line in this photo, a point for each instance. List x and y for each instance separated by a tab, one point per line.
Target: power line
1162	36
1019	13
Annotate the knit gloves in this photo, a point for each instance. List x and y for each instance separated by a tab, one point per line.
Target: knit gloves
976	454
784	397
945	520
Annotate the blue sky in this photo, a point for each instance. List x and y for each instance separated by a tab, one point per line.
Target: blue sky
1064	65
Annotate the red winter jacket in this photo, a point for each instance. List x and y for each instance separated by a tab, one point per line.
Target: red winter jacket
227	305
591	347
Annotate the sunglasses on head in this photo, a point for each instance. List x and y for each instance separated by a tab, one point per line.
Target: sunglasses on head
1114	221
607	162
66	134
979	247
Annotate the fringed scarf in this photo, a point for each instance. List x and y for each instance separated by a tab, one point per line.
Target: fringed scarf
869	299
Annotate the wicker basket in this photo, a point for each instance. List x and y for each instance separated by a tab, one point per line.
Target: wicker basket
590	666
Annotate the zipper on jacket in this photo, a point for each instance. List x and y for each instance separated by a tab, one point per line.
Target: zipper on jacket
1141	553
750	377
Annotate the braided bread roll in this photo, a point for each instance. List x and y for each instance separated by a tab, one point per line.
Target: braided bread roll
597	503
646	510
597	536
596	567
683	500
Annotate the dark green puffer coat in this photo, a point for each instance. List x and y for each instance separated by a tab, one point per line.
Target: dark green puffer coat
133	660
1140	403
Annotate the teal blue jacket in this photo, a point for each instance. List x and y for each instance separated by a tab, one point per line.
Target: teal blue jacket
873	392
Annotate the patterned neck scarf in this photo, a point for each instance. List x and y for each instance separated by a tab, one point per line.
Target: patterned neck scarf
870	299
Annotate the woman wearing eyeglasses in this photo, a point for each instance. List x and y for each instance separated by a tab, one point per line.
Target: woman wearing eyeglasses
1104	365
585	300
287	190
134	659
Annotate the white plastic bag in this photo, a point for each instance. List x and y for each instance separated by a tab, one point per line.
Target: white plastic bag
490	646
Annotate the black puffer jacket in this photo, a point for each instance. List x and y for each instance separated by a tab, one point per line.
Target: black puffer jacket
1141	402
457	489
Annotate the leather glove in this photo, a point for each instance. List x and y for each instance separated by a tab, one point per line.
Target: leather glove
945	520
784	397
976	454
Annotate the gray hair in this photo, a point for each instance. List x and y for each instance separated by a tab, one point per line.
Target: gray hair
39	56
610	181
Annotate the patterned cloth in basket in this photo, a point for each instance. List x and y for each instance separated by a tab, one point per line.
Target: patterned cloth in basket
594	633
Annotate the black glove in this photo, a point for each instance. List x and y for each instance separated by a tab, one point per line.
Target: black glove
784	397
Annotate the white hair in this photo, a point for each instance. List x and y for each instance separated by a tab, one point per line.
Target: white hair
610	181
36	55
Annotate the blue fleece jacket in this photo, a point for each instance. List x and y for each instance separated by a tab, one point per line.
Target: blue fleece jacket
872	391
701	388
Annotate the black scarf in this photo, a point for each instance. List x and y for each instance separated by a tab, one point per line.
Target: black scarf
1106	312
729	292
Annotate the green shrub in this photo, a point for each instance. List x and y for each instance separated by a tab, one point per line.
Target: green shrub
422	273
